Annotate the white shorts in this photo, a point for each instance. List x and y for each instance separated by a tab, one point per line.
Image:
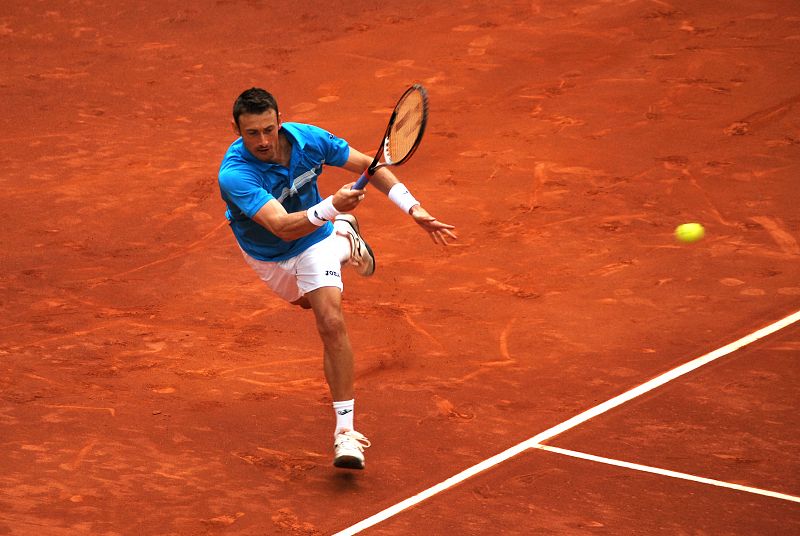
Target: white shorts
318	266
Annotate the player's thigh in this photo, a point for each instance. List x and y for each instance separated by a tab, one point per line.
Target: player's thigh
326	302
320	267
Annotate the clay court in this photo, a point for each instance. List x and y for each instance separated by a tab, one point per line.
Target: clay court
150	384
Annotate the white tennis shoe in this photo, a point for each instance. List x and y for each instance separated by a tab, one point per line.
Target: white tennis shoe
348	448
361	256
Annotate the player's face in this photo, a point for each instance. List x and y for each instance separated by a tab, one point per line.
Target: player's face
259	134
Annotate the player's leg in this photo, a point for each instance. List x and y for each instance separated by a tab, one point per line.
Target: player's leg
313	280
326	302
318	272
319	278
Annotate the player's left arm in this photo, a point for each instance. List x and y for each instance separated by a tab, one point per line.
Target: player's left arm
384	181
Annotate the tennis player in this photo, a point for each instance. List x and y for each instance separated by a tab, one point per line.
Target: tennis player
297	242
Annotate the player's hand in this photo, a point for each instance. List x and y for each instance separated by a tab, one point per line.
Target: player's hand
438	231
346	199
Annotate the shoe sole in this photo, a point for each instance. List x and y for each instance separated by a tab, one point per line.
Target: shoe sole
353	222
348	462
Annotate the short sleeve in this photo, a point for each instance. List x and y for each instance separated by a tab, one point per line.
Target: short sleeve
243	189
332	149
338	150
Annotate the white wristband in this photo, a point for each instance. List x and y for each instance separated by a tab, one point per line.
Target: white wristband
322	212
400	196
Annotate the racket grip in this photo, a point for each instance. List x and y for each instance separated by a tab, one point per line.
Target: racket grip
362	181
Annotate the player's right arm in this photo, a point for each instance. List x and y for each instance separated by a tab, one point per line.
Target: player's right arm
293	225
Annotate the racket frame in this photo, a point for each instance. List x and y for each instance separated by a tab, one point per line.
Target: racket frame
384	149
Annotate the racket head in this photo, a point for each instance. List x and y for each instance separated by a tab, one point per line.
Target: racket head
406	126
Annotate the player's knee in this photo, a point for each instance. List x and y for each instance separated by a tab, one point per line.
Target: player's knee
331	326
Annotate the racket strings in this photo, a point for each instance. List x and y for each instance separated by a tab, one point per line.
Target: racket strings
408	125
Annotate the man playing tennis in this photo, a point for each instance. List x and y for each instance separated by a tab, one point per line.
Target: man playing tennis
297	242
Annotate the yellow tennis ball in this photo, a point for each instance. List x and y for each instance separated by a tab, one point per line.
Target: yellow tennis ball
689	232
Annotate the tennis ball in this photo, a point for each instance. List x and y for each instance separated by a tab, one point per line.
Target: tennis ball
689	232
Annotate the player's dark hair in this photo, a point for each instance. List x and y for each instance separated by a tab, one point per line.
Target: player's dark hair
254	101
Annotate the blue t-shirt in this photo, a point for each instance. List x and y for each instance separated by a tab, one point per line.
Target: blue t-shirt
247	184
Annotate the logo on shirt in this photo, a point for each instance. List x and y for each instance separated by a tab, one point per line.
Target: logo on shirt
300	181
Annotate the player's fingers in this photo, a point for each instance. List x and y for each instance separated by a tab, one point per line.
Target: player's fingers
433	222
438	238
346	190
352	198
443	228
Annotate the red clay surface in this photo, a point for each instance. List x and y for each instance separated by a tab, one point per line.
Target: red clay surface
739	426
543	493
151	385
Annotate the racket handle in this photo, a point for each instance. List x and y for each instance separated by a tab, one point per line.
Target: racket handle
362	181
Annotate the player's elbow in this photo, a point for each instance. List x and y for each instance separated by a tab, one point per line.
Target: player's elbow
285	234
276	226
285	231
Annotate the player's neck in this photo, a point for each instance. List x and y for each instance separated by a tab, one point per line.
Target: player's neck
284	150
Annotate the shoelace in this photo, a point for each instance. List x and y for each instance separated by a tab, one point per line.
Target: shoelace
357	439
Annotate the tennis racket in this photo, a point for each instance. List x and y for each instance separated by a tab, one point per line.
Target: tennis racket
403	134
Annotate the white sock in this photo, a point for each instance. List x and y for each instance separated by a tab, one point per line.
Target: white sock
344	415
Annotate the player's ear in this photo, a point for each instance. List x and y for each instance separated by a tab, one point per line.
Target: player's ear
235	128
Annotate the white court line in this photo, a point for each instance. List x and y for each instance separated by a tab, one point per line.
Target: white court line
534	441
667	472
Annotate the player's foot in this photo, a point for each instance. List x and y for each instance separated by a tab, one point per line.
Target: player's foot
348	448
361	255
